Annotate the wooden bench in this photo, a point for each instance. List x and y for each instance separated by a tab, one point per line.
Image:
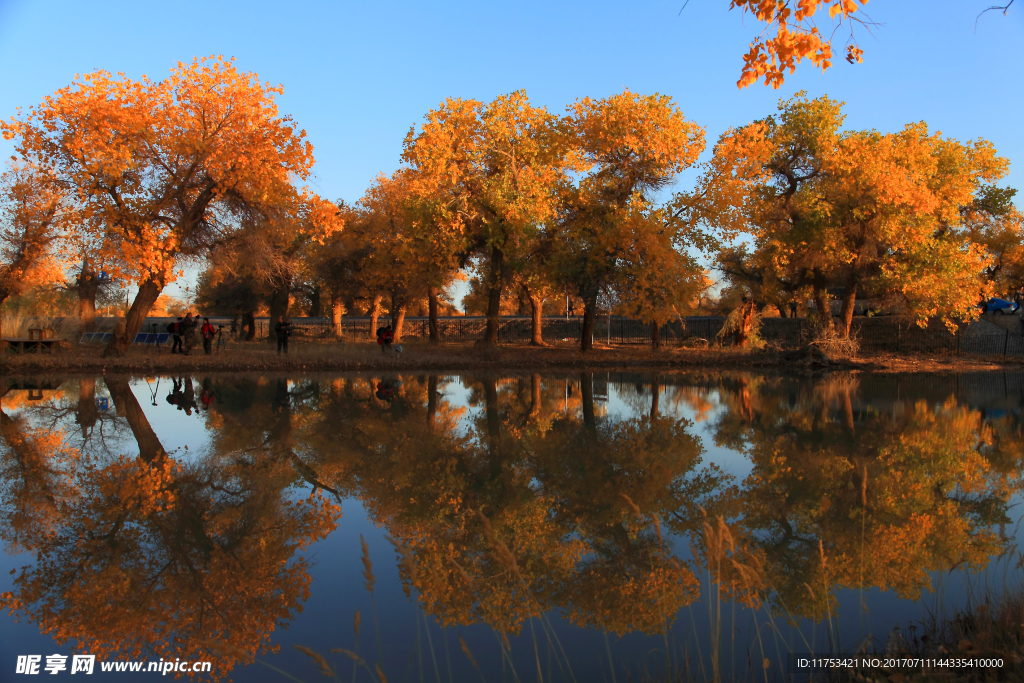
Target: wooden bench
29	345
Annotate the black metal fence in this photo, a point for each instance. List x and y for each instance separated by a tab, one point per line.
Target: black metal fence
511	329
883	333
516	329
902	335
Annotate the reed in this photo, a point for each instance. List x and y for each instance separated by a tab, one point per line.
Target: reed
18	325
735	580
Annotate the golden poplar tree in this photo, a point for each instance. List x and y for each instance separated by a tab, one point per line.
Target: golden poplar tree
863	211
165	168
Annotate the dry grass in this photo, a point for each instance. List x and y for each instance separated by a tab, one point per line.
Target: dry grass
331	355
735	320
833	344
992	628
68	329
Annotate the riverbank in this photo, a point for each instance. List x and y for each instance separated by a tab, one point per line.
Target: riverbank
319	356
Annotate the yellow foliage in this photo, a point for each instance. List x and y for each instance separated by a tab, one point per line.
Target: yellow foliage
162	170
796	37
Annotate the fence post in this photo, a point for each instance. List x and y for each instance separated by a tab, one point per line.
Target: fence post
1006	342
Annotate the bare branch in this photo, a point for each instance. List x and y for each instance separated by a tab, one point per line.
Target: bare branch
999	8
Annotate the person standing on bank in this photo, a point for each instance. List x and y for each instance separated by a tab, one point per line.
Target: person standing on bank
175	330
283	328
385	336
207	333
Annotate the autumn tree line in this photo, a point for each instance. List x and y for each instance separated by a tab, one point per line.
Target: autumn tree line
139	178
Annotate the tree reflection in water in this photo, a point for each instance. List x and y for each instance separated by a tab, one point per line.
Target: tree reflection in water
528	499
156	555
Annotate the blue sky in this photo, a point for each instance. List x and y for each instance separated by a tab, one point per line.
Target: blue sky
356	76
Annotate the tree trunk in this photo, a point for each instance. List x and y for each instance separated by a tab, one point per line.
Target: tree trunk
88	285
655	397
745	324
824	310
398	321
374	315
336	314
86	413
278	307
493	424
848	408
434	336
497	285
280	429
314	302
655	335
536	316
849	299
3	346
249	324
150	448
144	300
431	400
587	389
589	316
535	396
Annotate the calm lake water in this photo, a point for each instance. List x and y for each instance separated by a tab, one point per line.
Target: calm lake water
587	527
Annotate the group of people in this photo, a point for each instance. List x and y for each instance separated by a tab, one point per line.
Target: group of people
183	397
183	334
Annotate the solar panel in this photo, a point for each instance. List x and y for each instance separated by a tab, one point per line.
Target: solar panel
86	337
162	338
141	338
106	337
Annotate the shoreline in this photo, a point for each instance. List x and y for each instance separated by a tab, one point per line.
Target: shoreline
357	357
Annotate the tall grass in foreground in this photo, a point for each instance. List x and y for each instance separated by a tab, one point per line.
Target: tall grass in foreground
18	325
734	589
